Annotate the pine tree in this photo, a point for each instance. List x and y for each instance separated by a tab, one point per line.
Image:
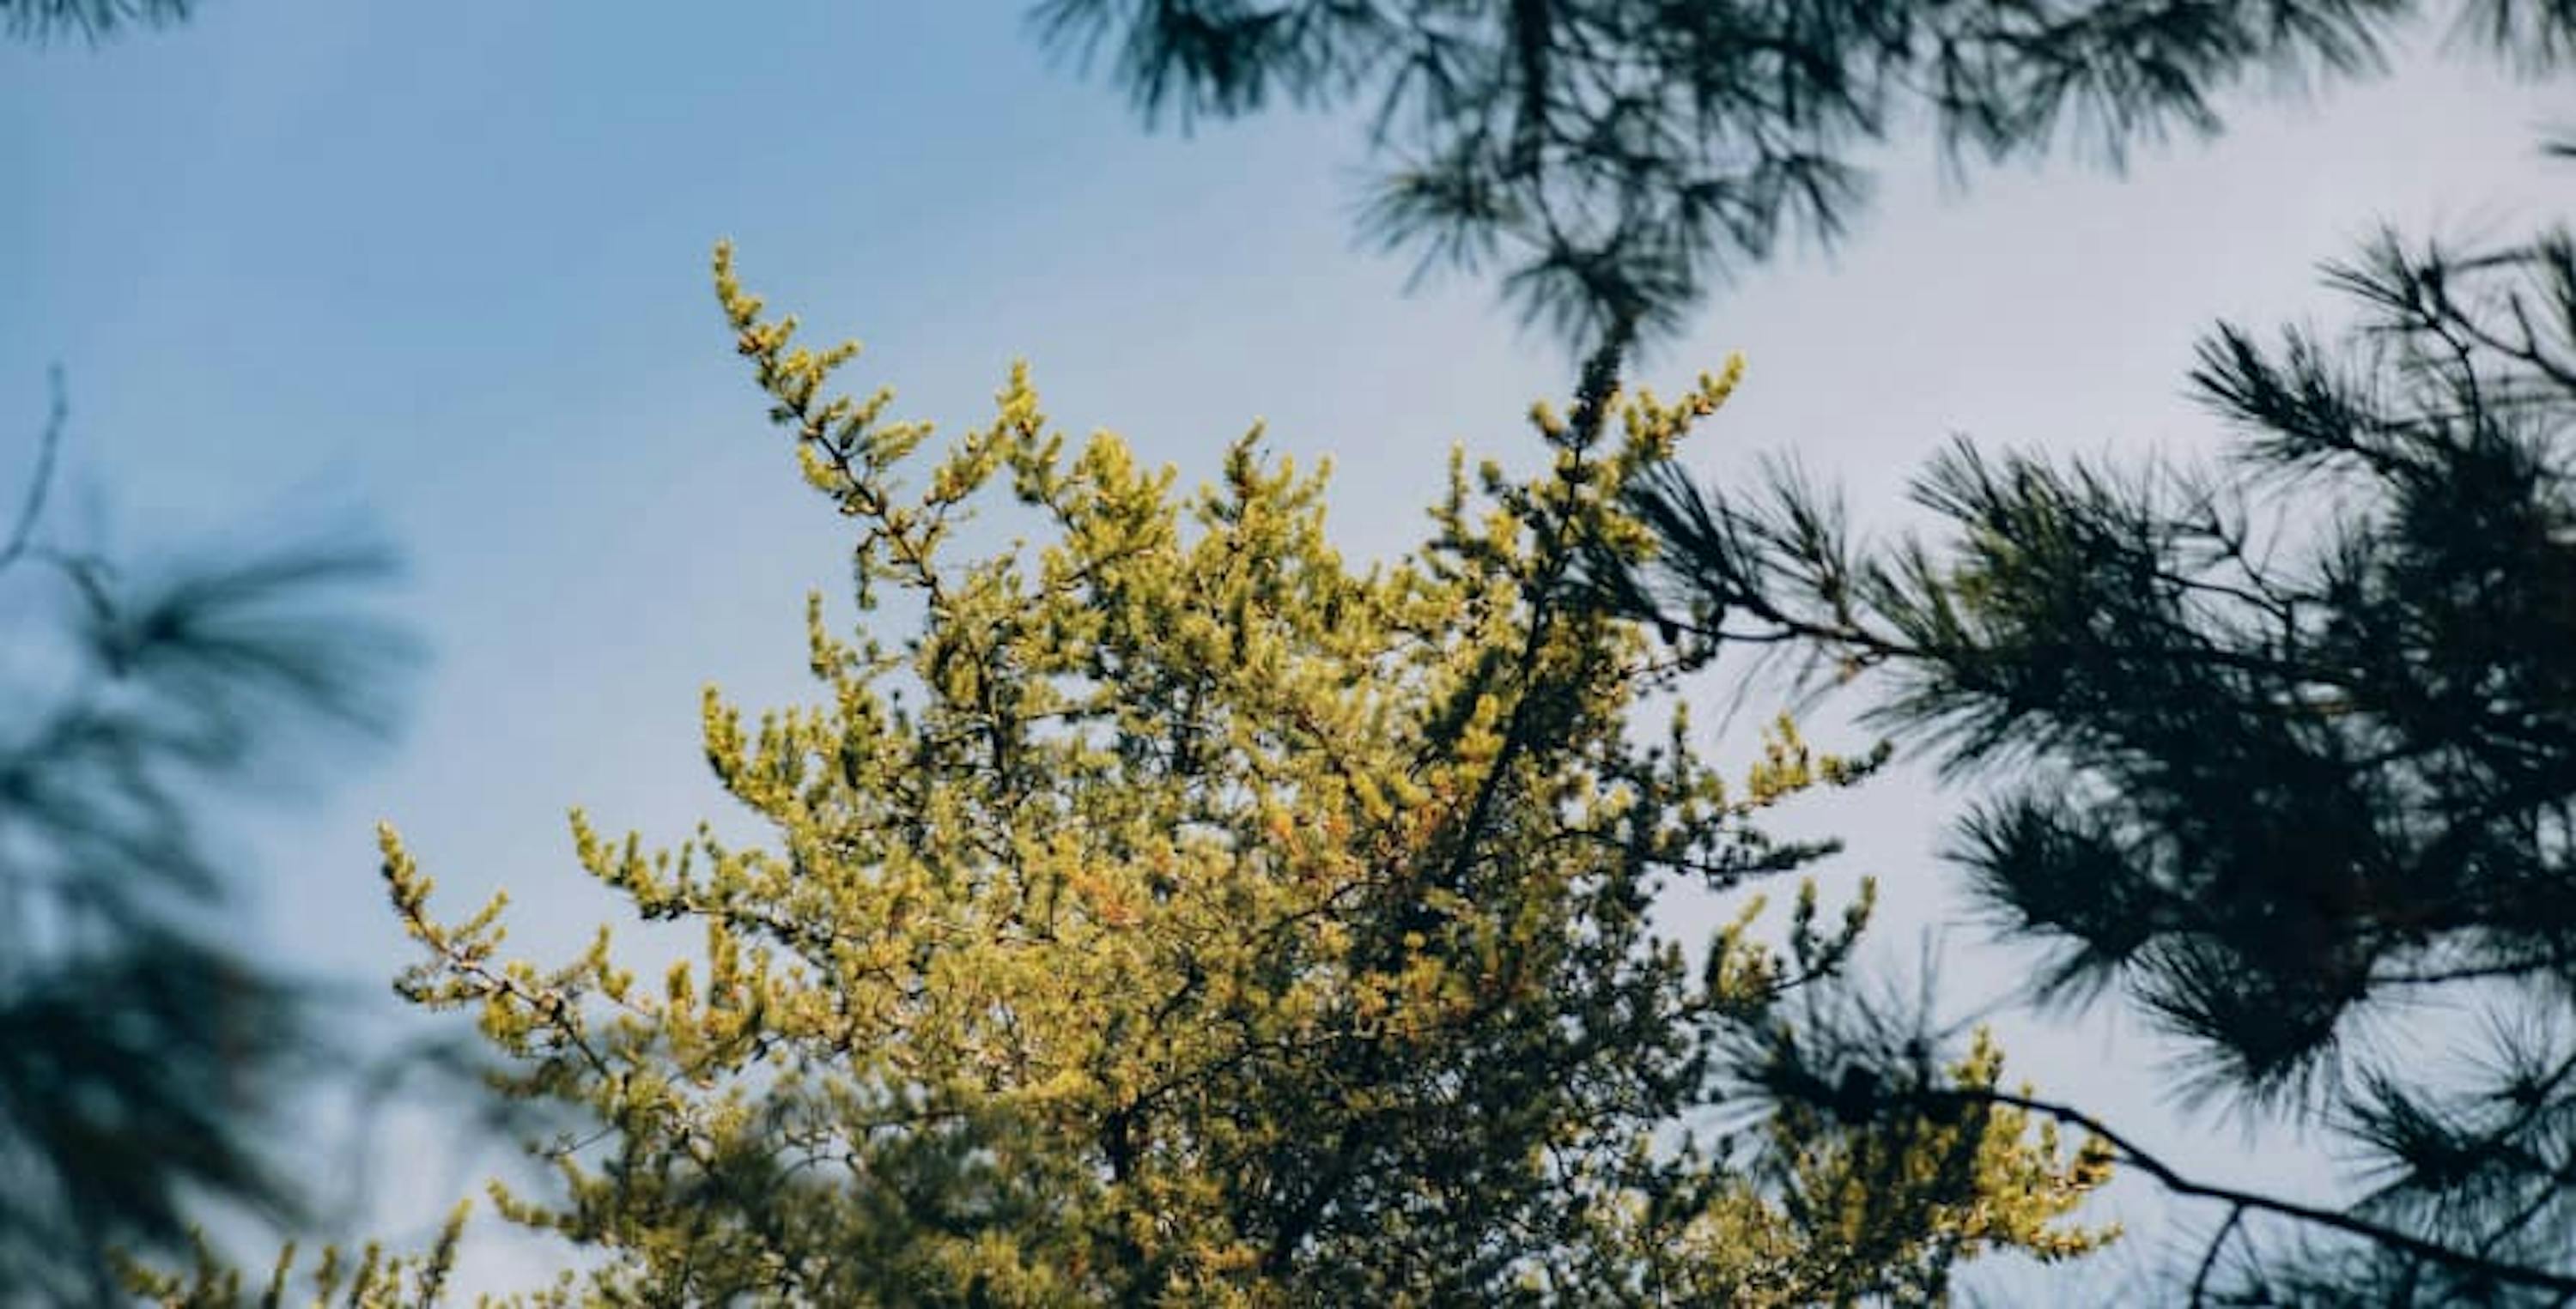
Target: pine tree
1616	160
40	21
1176	913
2294	749
143	1057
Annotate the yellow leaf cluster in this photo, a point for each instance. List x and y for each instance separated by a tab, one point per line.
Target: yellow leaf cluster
1173	912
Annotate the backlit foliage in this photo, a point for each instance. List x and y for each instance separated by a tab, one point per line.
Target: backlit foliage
1172	911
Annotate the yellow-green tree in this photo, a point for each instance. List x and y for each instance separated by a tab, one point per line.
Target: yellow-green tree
1178	913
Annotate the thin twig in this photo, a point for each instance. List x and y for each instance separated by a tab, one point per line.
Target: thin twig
48	450
2209	1258
2173	1180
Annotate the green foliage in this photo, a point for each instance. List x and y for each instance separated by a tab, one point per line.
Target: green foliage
1618	158
2304	739
375	1280
1175	913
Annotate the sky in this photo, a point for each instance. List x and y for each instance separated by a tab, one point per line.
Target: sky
442	269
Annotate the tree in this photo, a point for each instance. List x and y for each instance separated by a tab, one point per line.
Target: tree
1178	914
141	1057
40	21
2297	746
1619	158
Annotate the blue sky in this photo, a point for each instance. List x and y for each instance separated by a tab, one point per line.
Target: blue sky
445	267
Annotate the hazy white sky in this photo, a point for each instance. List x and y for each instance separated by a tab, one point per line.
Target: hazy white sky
445	265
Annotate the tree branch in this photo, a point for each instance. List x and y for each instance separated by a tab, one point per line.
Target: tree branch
49	447
2172	1179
